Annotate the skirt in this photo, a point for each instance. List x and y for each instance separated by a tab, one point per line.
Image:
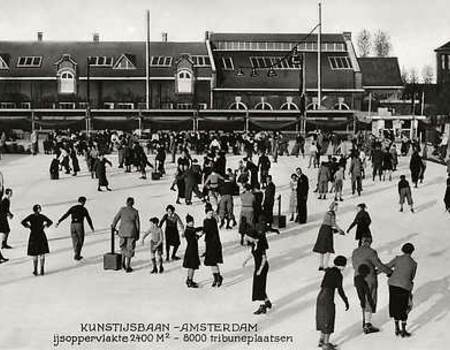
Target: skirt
398	303
4	225
325	311
37	244
172	236
293	202
324	243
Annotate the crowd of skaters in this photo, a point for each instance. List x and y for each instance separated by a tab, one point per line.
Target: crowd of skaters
254	183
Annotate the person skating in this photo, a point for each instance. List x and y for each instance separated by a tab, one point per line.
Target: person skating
37	242
355	172
377	162
339	183
415	166
400	287
264	167
101	173
226	203
128	232
258	242
191	185
302	196
143	162
324	245
323	177
447	195
75	164
404	191
213	246
54	169
156	244
293	196
362	222
388	166
269	202
172	231
367	256
325	306
247	214
78	213
5	216
191	259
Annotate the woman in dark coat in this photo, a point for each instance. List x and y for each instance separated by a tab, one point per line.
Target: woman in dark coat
179	179
324	244
54	169
257	238
37	243
213	251
172	231
447	195
75	163
362	222
191	258
101	172
415	165
325	307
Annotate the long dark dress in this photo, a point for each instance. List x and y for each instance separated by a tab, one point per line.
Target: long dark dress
325	307
324	243
37	243
213	253
447	195
181	185
415	165
101	172
259	282
302	198
191	258
54	169
171	232
4	211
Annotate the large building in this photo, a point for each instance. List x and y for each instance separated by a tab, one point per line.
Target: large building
229	79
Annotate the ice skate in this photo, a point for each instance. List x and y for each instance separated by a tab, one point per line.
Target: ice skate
369	328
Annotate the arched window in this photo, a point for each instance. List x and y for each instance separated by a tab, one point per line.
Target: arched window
264	106
67	83
311	106
184	79
238	105
289	106
341	106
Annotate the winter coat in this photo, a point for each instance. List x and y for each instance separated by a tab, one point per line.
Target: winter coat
404	272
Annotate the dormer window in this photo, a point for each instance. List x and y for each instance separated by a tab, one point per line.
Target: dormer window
3	64
161	61
124	63
100	61
29	61
184	82
66	82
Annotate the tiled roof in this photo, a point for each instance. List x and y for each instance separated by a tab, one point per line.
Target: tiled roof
280	37
52	51
445	47
380	71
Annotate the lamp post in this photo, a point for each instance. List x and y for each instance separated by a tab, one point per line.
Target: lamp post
88	96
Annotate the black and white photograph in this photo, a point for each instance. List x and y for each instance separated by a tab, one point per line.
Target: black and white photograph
224	175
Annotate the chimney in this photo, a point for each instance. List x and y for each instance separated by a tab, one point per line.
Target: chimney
96	37
40	36
164	37
347	35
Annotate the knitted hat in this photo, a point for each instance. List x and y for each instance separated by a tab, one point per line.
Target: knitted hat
340	261
408	248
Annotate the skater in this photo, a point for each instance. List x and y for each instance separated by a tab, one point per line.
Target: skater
5	216
324	177
172	231
156	244
325	307
246	217
339	183
78	213
264	167
191	185
377	162
191	258
259	245
387	167
313	155
75	164
367	281
128	232
447	195
404	191
213	246
293	196
302	196
101	173
415	165
37	242
226	203
269	200
362	222
400	287
143	162
54	169
355	171
324	244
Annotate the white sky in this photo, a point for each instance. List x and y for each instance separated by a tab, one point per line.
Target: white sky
416	27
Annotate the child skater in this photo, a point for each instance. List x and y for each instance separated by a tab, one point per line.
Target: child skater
156	244
365	297
338	183
191	258
404	191
325	307
37	243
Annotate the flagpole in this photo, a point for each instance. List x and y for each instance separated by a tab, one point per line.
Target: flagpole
319	58
147	64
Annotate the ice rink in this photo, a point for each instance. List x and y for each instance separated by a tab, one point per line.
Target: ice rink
35	309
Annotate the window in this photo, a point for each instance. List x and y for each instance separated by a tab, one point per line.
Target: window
100	61
67	84
108	105
202	106
167	105
264	106
3	64
238	105
184	105
227	63
289	106
201	61
275	62
7	105
184	82
124	63
25	105
142	105
29	61
161	61
125	105
67	105
340	62
444	62
82	105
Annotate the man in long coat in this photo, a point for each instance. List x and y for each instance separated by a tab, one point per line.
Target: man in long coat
302	196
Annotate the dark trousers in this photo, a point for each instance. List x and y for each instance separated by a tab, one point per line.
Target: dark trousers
356	184
376	171
77	233
188	192
302	210
268	212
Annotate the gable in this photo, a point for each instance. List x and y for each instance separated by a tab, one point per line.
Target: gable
124	62
3	62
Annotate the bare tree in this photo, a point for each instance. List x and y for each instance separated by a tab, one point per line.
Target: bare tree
413	76
364	43
405	75
428	74
382	44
